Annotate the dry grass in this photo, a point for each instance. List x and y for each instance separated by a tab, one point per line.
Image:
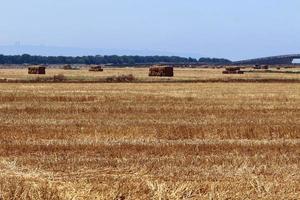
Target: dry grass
150	141
141	75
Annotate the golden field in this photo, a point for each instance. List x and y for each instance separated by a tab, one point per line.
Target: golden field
141	74
150	140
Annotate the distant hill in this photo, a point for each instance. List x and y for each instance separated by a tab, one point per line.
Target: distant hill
75	51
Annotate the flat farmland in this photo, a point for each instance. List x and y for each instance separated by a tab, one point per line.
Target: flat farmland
149	140
141	75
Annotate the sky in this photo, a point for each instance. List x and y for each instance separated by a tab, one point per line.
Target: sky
233	29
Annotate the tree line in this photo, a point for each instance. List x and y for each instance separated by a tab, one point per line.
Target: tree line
113	59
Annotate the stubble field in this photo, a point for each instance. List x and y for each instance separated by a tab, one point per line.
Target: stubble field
150	141
141	75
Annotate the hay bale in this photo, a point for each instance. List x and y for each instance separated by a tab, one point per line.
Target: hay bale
59	78
70	67
233	70
37	70
261	67
97	68
67	67
265	67
161	71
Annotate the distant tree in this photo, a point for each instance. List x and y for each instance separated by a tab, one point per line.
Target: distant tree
113	59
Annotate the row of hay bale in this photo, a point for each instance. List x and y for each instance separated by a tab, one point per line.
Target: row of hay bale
161	71
42	69
97	68
153	71
261	67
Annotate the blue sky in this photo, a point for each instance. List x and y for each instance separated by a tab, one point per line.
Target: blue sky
235	29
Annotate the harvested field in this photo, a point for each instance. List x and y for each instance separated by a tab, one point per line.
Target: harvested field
149	140
141	75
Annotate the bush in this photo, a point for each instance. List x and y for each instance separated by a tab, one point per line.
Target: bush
59	78
121	78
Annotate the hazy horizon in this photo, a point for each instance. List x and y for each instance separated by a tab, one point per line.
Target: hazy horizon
19	49
226	29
